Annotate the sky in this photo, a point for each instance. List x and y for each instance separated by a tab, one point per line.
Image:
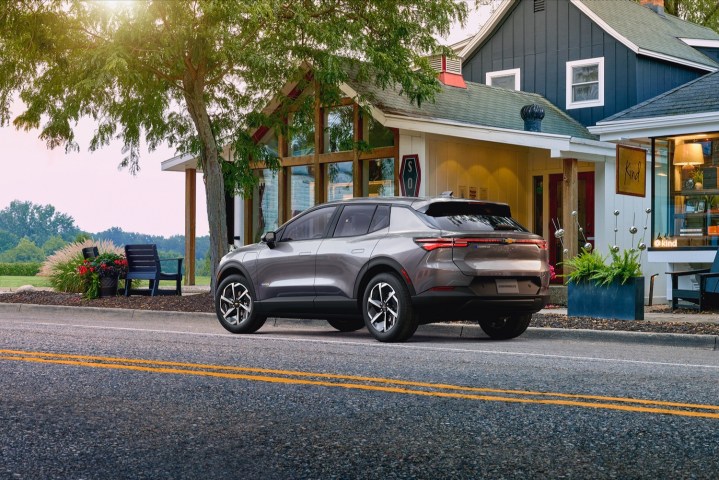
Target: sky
89	187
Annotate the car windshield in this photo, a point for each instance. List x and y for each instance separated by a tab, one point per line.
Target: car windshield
471	217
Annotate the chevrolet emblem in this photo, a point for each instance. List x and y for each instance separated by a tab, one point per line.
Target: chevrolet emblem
509	241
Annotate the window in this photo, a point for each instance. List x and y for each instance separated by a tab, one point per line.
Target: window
355	220
339	180
375	134
310	226
381	218
585	83
265	207
508	79
302	188
378	176
302	132
339	129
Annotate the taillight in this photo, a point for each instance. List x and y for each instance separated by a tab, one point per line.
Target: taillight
430	244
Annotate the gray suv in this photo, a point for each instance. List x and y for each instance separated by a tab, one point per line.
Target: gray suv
389	264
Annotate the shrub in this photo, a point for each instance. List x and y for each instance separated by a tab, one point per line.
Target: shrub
24	269
105	265
62	266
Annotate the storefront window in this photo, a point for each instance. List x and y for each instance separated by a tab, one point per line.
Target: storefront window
379	177
686	193
375	134
265	205
302	188
302	133
339	129
339	180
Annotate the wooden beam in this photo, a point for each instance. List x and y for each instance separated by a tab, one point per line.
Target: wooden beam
282	187
356	164
570	203
397	161
319	140
190	224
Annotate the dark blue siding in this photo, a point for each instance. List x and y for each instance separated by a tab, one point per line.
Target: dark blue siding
712	53
540	44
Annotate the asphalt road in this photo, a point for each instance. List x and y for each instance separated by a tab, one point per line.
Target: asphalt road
105	396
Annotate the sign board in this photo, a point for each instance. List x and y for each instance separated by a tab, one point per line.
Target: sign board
631	171
410	175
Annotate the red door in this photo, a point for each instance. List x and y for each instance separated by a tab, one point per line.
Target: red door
585	215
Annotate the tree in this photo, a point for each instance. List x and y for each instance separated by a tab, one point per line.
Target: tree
702	12
193	72
52	245
7	240
25	251
37	222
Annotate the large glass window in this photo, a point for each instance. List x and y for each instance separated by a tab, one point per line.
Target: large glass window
265	205
339	180
379	177
302	188
308	227
585	83
508	79
302	133
354	220
375	134
686	192
339	129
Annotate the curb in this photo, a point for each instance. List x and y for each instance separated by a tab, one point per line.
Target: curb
453	330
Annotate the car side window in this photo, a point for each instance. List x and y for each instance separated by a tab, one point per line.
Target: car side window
309	226
381	218
354	220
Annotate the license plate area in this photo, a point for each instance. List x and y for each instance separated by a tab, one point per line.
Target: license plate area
507	286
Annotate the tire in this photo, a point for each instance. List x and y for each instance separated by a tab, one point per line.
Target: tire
346	324
387	309
235	305
505	327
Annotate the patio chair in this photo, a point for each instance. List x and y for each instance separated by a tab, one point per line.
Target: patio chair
143	263
707	294
89	252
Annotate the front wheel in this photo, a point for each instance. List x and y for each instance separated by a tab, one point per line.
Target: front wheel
387	309
505	327
235	305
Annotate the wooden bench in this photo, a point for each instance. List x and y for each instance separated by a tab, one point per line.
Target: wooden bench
143	263
707	294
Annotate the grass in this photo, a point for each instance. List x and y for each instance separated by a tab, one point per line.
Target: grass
15	282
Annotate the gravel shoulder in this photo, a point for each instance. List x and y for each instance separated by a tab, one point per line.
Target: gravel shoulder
203	303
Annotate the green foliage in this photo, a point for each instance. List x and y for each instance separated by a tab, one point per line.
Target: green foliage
27	269
7	240
105	265
53	244
24	251
62	266
36	222
590	266
173	244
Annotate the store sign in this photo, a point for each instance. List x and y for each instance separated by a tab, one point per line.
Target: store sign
410	175
631	171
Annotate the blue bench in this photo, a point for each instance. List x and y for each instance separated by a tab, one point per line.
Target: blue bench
143	263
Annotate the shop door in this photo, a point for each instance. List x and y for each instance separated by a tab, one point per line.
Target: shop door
585	215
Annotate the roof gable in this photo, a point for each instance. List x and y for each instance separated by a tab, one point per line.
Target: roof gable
640	29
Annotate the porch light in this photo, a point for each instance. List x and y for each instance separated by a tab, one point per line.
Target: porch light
688	154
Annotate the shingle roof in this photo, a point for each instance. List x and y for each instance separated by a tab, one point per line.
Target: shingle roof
653	32
478	104
697	96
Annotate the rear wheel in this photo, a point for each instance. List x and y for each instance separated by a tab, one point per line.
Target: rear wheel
387	309
235	305
346	324
506	326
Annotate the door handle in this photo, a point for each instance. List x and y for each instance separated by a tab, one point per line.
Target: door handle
358	250
305	253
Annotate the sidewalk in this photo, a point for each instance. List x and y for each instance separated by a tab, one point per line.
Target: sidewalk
704	317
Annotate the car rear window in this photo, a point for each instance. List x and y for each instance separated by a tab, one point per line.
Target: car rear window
470	217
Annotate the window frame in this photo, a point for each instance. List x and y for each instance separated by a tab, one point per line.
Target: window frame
504	73
599	101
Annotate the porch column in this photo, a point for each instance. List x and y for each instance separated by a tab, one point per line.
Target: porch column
190	224
570	200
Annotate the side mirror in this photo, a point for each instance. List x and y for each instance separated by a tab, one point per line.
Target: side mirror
269	238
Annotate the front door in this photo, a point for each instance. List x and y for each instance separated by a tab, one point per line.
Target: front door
585	216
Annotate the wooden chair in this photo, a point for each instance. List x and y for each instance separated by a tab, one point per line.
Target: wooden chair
708	293
89	252
143	263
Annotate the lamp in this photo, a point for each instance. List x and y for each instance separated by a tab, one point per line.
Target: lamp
688	154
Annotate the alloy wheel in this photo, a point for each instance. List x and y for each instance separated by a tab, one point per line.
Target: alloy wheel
383	307
235	303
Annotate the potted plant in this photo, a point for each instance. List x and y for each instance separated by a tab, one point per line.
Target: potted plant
612	287
101	274
698	177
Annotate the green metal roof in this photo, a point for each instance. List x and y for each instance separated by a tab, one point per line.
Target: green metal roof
651	31
479	105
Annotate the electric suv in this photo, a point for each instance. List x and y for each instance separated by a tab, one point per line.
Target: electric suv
389	264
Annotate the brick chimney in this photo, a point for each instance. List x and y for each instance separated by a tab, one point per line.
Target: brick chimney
656	5
450	70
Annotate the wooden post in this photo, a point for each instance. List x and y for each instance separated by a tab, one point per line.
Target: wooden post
190	224
570	203
283	205
356	164
319	140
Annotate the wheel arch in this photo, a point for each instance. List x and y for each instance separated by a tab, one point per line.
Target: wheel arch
377	266
232	268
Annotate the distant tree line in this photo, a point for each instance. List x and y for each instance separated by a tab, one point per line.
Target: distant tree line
31	232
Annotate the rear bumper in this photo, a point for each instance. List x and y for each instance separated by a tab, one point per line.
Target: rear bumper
463	304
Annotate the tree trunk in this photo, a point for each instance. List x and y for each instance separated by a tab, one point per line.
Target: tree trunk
212	175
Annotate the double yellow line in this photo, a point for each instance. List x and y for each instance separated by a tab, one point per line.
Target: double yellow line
368	383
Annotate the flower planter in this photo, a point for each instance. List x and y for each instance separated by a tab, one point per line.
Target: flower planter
613	301
108	286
